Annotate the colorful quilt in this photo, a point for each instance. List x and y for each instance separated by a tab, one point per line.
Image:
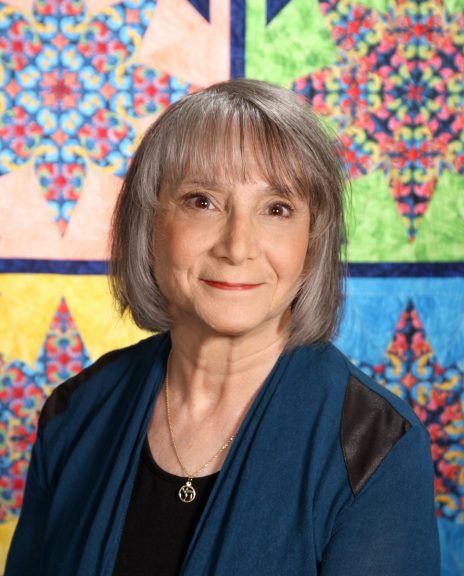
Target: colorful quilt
80	82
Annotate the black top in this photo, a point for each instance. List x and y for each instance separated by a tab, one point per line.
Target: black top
158	526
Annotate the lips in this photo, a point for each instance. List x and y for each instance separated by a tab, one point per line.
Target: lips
230	285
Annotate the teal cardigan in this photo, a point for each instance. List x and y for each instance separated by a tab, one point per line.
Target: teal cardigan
330	475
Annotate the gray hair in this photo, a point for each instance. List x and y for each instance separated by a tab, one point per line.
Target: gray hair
228	130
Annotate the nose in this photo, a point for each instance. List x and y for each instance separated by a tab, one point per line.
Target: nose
238	239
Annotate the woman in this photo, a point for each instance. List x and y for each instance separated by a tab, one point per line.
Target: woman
239	440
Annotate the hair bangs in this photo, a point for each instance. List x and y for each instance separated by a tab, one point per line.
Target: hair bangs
230	144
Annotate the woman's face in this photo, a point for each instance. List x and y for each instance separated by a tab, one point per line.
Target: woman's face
229	258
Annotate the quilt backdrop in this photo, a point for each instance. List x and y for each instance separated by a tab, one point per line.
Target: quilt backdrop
79	83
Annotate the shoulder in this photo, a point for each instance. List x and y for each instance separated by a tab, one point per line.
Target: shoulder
372	420
106	370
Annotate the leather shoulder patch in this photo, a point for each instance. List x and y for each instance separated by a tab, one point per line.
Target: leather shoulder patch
370	428
58	401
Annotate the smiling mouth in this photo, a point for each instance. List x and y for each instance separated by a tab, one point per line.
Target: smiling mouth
230	285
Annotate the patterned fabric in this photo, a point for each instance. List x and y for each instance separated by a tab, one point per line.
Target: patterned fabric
396	93
71	92
411	370
80	81
22	393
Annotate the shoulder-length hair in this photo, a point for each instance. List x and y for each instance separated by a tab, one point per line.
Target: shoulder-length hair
231	129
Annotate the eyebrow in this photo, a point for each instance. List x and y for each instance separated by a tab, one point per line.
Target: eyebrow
211	184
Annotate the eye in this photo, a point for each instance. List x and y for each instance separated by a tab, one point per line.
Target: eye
280	209
199	202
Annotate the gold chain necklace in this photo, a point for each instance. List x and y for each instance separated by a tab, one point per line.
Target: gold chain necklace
187	492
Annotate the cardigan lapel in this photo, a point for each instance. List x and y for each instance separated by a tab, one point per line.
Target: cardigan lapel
122	482
202	548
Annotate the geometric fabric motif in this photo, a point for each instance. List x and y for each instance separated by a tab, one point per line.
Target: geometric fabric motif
396	95
21	397
70	92
411	371
23	390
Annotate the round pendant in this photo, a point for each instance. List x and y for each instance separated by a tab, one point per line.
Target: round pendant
187	492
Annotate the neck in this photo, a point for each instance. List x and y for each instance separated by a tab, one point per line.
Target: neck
209	372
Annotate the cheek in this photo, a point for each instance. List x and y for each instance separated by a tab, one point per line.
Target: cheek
176	246
293	256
